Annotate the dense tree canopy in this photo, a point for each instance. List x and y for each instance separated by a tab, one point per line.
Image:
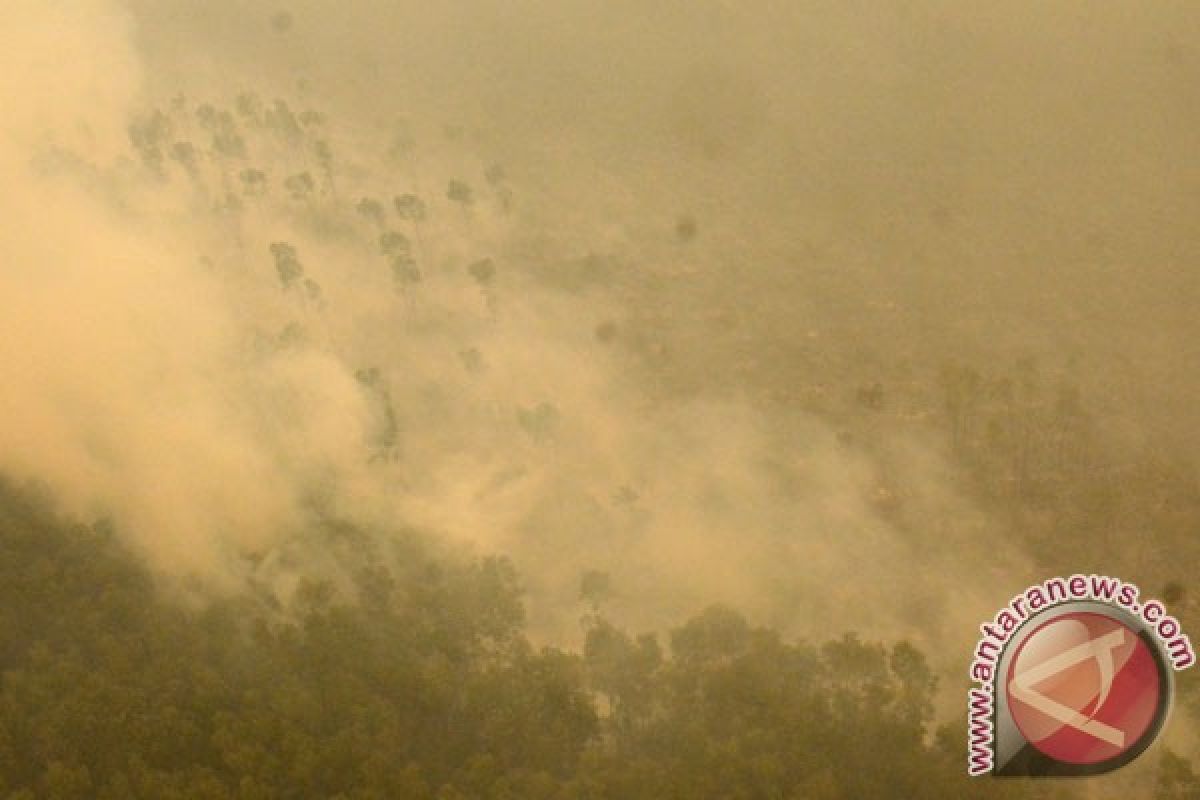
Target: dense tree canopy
413	679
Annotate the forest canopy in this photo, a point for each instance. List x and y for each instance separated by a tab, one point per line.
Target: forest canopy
415	679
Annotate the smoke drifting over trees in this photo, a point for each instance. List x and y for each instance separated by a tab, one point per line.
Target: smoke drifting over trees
407	381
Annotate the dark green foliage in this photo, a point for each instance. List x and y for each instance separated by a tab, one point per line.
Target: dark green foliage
483	271
398	249
281	119
226	139
495	174
300	186
324	155
1176	779
229	143
371	209
394	243
149	135
409	207
287	263
406	674
685	229
606	331
282	22
472	359
460	193
249	106
594	588
1031	451
323	152
401	684
185	154
387	429
405	271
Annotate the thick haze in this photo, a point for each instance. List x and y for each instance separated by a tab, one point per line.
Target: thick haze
994	178
725	219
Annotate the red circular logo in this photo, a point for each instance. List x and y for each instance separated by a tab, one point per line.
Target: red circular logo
1084	688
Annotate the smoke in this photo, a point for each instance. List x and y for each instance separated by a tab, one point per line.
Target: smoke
129	386
636	349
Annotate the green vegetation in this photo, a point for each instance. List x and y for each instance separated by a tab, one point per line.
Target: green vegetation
413	679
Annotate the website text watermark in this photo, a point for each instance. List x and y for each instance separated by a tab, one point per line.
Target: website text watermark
1163	630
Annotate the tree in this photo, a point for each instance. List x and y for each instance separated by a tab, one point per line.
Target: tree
149	135
402	671
280	119
324	155
254	181
405	271
184	153
394	243
300	185
460	193
282	21
371	209
410	207
483	271
1176	778
287	263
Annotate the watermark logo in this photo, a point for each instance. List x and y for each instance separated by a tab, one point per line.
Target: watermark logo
1074	678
